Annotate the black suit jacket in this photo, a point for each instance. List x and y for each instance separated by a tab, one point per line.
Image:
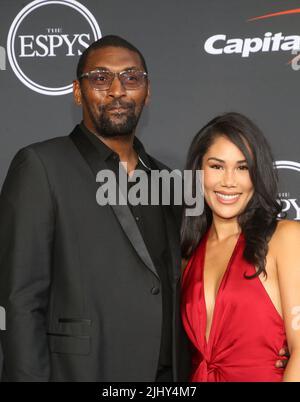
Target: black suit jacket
76	277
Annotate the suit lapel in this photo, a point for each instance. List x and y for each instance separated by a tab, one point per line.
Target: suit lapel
122	212
174	242
172	224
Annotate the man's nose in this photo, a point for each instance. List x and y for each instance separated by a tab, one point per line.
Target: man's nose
116	89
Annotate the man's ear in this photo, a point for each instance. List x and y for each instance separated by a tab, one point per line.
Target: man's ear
147	100
77	92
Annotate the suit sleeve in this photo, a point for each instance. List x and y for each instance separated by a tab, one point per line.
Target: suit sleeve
26	236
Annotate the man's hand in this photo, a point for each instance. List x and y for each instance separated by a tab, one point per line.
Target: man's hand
282	363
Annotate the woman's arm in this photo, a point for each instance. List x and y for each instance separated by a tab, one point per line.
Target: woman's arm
288	265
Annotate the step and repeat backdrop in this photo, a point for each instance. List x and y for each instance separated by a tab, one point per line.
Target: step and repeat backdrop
204	58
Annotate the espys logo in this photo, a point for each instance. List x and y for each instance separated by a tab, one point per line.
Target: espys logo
221	44
43	39
289	175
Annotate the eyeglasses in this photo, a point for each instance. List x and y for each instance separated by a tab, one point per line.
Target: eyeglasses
101	80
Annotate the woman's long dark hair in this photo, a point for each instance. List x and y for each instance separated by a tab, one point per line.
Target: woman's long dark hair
259	219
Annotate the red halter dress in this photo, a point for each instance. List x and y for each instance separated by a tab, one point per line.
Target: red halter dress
246	333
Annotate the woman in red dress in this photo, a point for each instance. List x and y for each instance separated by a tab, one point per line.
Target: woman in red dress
241	285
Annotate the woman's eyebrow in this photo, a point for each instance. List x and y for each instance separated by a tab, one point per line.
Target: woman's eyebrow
222	161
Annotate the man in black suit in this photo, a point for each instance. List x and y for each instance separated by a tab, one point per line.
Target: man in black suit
90	291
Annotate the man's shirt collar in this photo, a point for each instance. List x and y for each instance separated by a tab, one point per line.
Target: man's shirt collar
107	153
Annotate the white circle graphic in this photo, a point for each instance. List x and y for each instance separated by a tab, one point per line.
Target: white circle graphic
12	34
288	165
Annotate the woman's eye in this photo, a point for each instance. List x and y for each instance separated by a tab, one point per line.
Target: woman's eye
243	167
216	167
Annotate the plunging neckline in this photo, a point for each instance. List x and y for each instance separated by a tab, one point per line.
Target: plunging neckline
207	339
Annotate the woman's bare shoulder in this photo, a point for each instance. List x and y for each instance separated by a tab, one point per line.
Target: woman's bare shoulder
286	228
287	234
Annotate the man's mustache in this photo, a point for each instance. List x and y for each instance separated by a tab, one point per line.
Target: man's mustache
118	105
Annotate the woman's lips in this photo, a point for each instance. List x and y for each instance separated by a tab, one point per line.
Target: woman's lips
227	198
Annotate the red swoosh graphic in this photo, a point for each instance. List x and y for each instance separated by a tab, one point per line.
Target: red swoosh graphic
287	12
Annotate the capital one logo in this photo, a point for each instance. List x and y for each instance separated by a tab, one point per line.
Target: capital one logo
270	42
289	195
45	41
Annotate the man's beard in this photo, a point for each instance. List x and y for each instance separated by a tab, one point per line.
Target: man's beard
107	127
